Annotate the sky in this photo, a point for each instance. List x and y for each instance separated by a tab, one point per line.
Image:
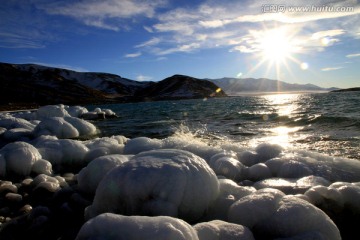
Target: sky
297	41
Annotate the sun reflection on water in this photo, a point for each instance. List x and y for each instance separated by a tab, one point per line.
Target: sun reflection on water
282	105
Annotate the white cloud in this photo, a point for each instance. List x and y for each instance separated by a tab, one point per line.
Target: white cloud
151	42
181	48
353	55
331	69
143	78
103	14
133	55
149	29
327	33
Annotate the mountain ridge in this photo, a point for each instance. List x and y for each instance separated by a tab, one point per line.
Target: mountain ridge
36	85
235	86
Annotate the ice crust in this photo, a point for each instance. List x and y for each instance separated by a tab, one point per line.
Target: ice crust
146	188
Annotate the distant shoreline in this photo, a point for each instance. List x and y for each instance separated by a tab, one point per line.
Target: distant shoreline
355	89
272	93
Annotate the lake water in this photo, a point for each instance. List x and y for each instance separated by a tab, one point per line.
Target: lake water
324	122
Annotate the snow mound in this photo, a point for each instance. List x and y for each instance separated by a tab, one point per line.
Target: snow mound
111	227
159	182
220	230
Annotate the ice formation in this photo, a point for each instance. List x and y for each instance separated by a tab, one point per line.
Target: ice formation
112	227
225	191
159	182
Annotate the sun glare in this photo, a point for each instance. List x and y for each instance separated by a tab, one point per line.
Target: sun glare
275	46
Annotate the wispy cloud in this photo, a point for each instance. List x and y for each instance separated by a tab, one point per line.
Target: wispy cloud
133	55
331	69
353	55
103	14
151	42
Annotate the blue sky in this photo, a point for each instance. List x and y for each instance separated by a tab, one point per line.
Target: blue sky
303	42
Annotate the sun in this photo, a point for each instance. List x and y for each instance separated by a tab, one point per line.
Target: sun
277	49
275	46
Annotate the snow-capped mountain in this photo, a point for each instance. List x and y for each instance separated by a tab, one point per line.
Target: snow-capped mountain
234	86
41	85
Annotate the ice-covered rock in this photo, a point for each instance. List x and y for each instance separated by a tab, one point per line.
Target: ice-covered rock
292	185
141	144
191	144
42	166
18	158
227	166
112	227
104	146
62	153
10	122
76	111
258	171
230	192
98	113
17	134
90	176
160	182
56	126
84	128
254	208
220	230
263	152
273	215
52	111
